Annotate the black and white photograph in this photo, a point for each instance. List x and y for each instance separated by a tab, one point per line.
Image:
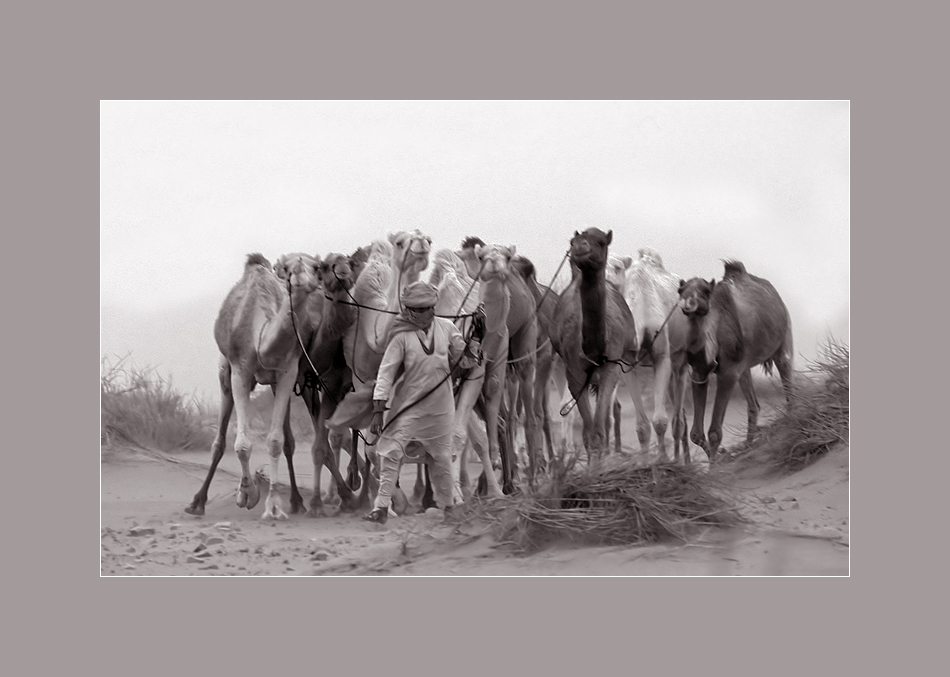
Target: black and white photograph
470	338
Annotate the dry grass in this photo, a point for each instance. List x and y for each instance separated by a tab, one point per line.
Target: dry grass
816	419
139	407
616	501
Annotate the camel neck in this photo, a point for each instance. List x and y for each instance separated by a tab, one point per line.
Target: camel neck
593	292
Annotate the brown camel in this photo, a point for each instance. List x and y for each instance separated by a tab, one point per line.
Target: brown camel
256	334
545	303
509	349
731	327
330	315
651	294
594	332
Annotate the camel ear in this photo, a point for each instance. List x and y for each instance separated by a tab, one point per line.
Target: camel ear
478	250
610	236
682	284
712	285
627	261
511	250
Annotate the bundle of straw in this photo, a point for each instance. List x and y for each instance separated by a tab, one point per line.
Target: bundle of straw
616	501
816	419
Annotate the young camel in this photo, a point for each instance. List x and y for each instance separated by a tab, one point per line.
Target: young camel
651	294
593	332
255	333
733	326
509	349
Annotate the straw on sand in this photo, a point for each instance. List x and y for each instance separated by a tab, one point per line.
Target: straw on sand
614	501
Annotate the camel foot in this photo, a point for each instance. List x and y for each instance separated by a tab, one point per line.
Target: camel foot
296	504
316	512
248	494
195	509
273	509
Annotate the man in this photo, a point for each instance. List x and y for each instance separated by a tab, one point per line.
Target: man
423	349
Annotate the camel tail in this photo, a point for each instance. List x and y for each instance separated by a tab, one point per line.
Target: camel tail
733	269
256	259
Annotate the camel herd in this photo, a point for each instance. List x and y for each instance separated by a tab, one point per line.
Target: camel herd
318	327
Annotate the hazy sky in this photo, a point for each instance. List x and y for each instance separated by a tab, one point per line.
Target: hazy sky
187	189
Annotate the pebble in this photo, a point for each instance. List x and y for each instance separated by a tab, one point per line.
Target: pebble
128	566
321	555
174	525
131	548
214	540
200	547
204	554
223	526
194	560
210	566
141	531
767	499
790	498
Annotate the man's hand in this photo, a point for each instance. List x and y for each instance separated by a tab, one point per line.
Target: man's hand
478	323
379	410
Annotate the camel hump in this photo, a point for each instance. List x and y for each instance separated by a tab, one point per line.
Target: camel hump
256	259
733	269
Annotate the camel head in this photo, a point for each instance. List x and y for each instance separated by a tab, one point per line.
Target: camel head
301	270
336	272
467	254
358	261
617	267
589	249
494	261
695	296
650	256
411	250
524	267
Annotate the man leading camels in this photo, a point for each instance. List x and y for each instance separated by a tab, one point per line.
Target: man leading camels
423	350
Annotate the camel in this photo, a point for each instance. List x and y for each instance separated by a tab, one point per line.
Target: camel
459	294
509	347
322	389
392	264
256	334
545	303
651	294
593	332
733	326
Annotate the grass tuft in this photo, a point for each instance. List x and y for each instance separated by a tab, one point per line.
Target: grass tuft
139	407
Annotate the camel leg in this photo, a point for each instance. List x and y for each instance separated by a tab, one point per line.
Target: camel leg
296	500
587	420
197	506
700	385
643	423
493	392
468	398
752	404
725	382
784	366
541	401
661	382
532	429
680	437
248	494
273	508
609	377
617	411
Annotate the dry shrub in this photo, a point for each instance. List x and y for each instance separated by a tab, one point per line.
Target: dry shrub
815	420
138	407
616	501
